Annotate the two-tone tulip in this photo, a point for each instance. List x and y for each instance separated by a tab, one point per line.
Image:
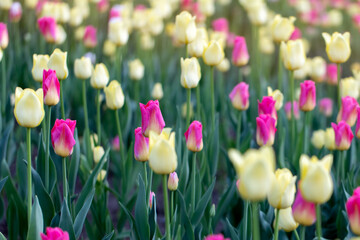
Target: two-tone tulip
337	46
277	96
100	76
51	88
193	137
343	135
4	36
352	210
239	96
62	137
357	129
240	55
304	212
265	130
114	95
151	118
288	109
173	181
348	110
267	107
307	100
90	38
48	28
15	12
190	72
326	106
141	146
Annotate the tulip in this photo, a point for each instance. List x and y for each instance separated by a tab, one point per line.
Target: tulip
265	130
101	176
343	135
185	27
318	139
282	191
330	139
331	74
316	183
240	55
318	69
109	48
337	46
220	25
190	72
193	136
266	45
151	199
293	54
100	76
282	28
15	12
303	211
296	34
352	210
286	220
157	92
136	70
239	96
114	95
287	109
349	87
139	20
357	129
4	36
40	63
141	146
173	181
90	38
5	5
76	18
307	100
258	13
207	7
277	96
54	234
118	32
267	106
57	62
213	53
103	6
47	26
51	88
98	153
62	137
29	107
219	37
83	68
196	48
348	110
216	237
60	35
151	118
224	65
147	42
326	106
255	170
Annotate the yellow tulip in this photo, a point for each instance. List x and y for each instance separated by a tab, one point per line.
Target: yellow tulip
349	87
147	42
266	45
330	139
98	153
316	183
282	191
286	220
317	69
196	47
190	72
318	139
100	76
114	95
282	28
58	63
29	107
136	70
60	35
258	13
213	53
207	7
83	68
219	37
118	32
224	65
101	176
185	27
76	18
31	3
109	48
355	69
277	96
5	5
157	91
79	33
154	24
293	54
337	46
40	63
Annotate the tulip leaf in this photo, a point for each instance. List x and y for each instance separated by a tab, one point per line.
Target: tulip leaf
201	206
74	164
107	236
4	142
141	212
233	231
2	237
185	218
2	182
12	219
66	222
80	218
224	203
131	220
36	222
214	147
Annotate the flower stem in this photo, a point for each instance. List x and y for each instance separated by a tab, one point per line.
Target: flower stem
145	180
318	221
188	107
245	218
48	123
280	71
212	96
276	229
238	132
62	100
28	143
255	213
118	126
193	183
3	94
166	207
338	84
171	204
240	75
198	102
306	130
65	190
302	232
86	117
98	121
296	234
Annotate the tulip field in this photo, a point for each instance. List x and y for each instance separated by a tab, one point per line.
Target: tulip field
179	119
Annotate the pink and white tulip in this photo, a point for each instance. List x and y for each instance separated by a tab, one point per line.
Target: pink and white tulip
4	36
15	12
103	6
173	181
141	146
47	26
265	130
326	106
216	237
151	118
296	34
348	110
193	137
90	38
115	143
357	130
353	211
267	106
239	96
287	109
343	135
221	25
151	199
304	212
51	88
62	137
307	100
54	234
240	55
331	73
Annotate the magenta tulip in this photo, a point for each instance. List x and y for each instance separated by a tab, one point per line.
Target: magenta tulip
193	137
51	88
343	135
62	137
307	101
141	146
151	118
265	130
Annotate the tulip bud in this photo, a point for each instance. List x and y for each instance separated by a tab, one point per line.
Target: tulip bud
29	107
4	36
213	53
100	76
267	106
349	87
141	146
282	191
348	110
109	48
15	12
103	6
316	183
216	237
40	63
220	25
196	48
54	233
265	130
337	46
60	35
51	88
293	54
5	4
185	27
101	176
157	92
277	96
239	96
193	137
343	135
98	153
318	139
151	199
258	13
207	7
31	3
57	62
352	210
136	70
114	95
307	100
326	106
331	74
224	65
90	38
240	55
93	140
62	137
76	17
286	220
47	26
155	24
282	28
190	72
304	212
147	42
318	69
184	110
83	68
79	33
151	118
118	32
287	109
173	181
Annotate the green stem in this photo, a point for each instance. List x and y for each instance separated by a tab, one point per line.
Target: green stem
338	84
338	166
255	219
28	143
118	64
193	173
145	180
98	119
188	107
238	132
276	229
240	75
296	235
48	123
212	96
136	91
343	160
306	130
166	207
302	232
292	94
198	102
85	104
65	189
280	72
3	95
318	221
172	204
245	218
62	100
118	126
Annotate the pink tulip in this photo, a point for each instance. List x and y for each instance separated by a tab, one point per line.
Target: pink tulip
326	106
15	12
348	112
216	237
90	38
287	109
304	212
356	20
239	96
331	73
39	6
267	106
151	118
173	181
115	11
353	211
140	7
51	88
54	234
115	143
265	130
62	137
230	39
193	137
357	131
221	25
141	146
343	135
186	5
103	6
310	17
307	100
4	36
296	34
151	199
200	17
47	26
240	55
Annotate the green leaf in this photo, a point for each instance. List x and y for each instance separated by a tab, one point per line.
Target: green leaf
4	141
107	236
2	182
12	220
141	212
233	231
214	144
131	220
224	203
66	222
2	237
80	218
74	164
36	222
185	218
201	206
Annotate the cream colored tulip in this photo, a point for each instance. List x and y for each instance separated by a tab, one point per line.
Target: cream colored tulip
57	62
64	12
302	72
147	42
213	53
114	95
337	46
190	72
318	69
219	37
136	70
157	91
109	48
196	48
282	28
118	32
76	18
330	139
224	65
5	5
31	3
60	35
258	13
101	176
185	27
98	153
207	7
286	220
349	87
318	139
277	96
154	24
293	54
100	76
282	191
266	45
40	63
83	68
335	18
79	33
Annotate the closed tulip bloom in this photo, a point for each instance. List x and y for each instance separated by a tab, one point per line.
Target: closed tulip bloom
357	129
282	191
224	65
54	233
304	212
352	210
343	135
62	137
190	72
258	13
316	183
98	153
60	35
109	48
216	237
266	45
147	41
277	96
207	7
213	53
337	46
114	95
330	139
90	38
101	176
15	12
173	181
76	18
296	34
267	106
29	107
282	28
136	70
83	68
318	139
348	110
219	37
220	25
196	48
287	109
239	96
47	26
265	130
151	118
293	54
286	220
193	137
40	63
326	106
4	36
240	55
318	69
307	101
141	146
118	32
51	88
185	27
58	63
349	87
331	74
255	170
162	154
157	91
151	199
100	76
